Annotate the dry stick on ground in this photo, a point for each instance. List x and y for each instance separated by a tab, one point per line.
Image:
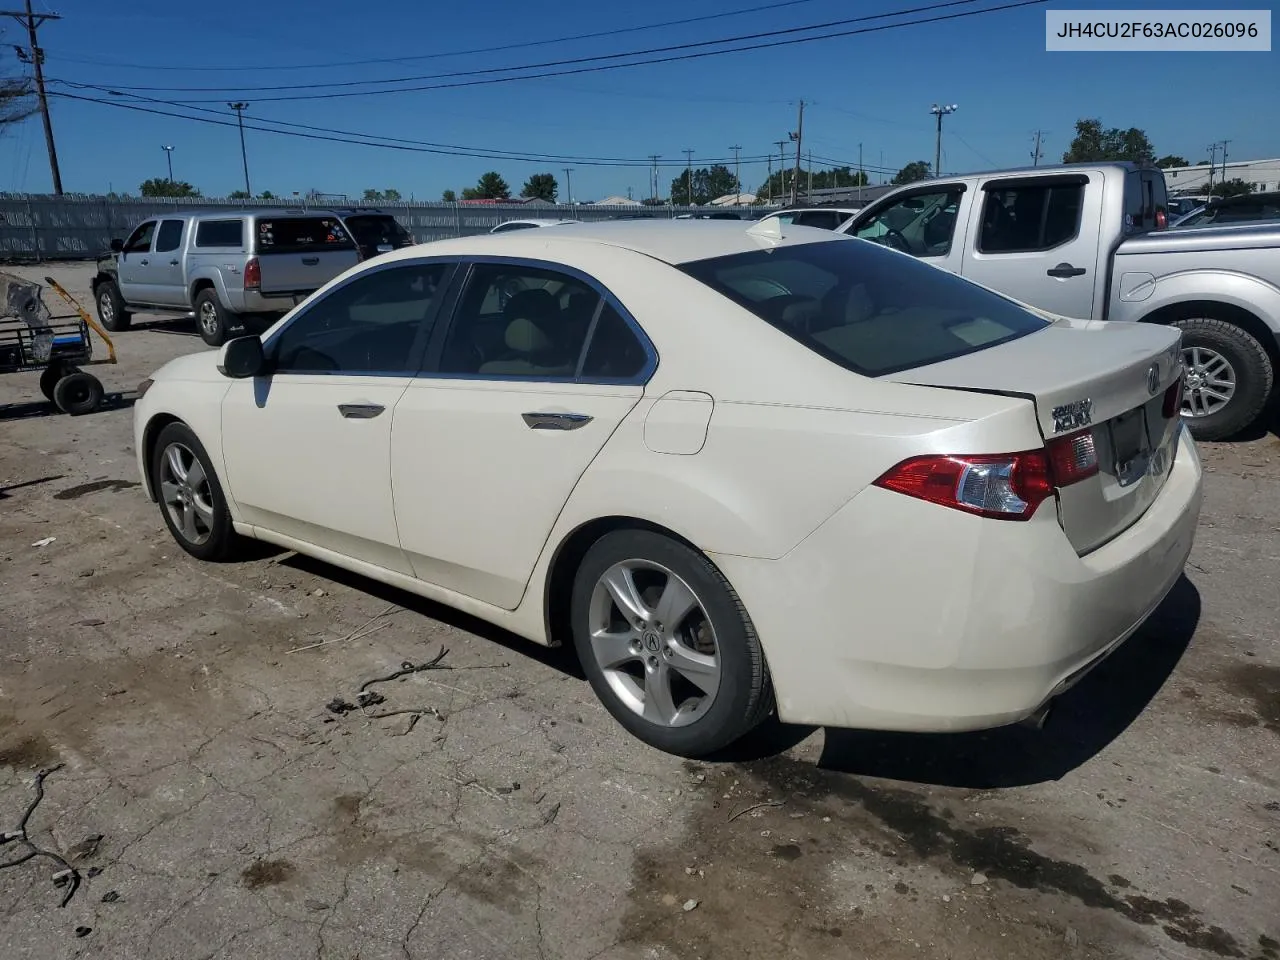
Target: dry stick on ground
406	668
359	633
68	874
755	806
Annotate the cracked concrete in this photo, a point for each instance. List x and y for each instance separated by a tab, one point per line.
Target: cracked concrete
240	818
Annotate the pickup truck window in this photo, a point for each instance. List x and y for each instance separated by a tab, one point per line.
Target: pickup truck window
220	233
140	241
921	224
302	235
368	326
1030	217
169	236
870	311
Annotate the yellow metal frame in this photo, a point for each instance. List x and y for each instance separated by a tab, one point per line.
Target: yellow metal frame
93	324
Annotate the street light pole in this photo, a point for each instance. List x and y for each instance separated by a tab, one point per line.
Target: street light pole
940	112
737	183
240	108
168	155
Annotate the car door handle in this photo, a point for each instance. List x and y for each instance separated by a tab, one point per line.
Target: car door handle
555	421
1066	270
360	411
144	261
310	261
174	263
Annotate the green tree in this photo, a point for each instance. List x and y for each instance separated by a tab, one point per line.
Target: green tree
449	197
704	185
779	184
1232	188
1093	143
266	195
490	186
1172	160
541	186
913	171
238	195
381	196
161	187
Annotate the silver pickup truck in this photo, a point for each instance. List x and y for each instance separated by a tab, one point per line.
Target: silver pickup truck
1089	241
225	267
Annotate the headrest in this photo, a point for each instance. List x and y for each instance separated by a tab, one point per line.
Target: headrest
536	305
525	336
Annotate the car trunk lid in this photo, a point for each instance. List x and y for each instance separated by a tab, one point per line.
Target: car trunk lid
1108	381
298	255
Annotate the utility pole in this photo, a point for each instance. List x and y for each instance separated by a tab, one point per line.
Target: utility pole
809	195
737	195
782	170
940	112
240	108
861	176
1213	159
653	176
1224	159
568	185
1035	153
168	155
798	137
688	175
32	22
769	179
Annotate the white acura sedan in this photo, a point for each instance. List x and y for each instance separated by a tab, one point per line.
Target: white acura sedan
737	467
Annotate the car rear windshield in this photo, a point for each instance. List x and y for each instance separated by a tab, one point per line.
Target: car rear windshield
372	230
302	235
871	310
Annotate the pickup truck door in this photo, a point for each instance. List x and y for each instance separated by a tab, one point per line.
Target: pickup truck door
133	266
1036	239
927	222
166	264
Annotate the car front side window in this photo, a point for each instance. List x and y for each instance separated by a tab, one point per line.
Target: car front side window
140	241
922	224
377	324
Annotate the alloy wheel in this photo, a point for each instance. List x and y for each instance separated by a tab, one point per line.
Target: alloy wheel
1209	381
186	493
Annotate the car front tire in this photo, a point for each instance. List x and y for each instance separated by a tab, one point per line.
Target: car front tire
190	497
1221	360
111	307
667	645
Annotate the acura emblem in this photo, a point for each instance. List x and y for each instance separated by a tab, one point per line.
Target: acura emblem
1153	378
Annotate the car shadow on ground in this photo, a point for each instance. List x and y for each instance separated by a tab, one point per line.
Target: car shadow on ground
6	489
178	326
43	408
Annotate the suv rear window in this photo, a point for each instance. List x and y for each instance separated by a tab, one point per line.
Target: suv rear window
302	235
370	230
870	310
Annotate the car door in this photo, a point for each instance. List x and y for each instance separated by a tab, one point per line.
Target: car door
166	264
1036	240
133	266
308	446
925	222
519	393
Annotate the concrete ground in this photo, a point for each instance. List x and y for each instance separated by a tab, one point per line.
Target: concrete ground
217	809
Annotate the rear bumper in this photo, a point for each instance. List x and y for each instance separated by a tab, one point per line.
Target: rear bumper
900	615
255	302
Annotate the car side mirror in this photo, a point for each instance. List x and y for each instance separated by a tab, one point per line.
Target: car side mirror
241	358
117	245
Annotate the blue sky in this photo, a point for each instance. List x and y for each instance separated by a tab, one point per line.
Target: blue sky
874	90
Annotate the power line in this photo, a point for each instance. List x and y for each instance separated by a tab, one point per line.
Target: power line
33	22
438	56
597	67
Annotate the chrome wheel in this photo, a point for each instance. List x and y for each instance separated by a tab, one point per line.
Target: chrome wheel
208	318
186	493
654	643
106	308
1209	381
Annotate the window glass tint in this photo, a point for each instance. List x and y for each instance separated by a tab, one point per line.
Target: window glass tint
370	325
220	233
822	219
140	242
373	231
614	353
1030	217
169	237
519	321
505	227
869	310
302	235
921	224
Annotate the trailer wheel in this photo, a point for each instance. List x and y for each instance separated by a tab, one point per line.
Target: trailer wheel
78	393
49	379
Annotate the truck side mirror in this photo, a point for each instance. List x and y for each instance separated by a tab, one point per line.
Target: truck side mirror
117	245
242	358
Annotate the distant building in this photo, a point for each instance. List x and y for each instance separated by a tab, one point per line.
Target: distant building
735	200
617	202
1194	181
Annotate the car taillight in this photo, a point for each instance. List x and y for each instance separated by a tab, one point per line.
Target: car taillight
1162	219
1072	458
252	274
1173	399
1002	487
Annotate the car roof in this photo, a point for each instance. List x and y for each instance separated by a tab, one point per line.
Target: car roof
666	240
227	213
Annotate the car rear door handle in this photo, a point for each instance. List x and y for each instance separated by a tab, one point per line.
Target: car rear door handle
360	411
555	421
310	261
1066	270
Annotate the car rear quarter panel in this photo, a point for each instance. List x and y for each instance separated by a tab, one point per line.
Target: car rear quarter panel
1153	283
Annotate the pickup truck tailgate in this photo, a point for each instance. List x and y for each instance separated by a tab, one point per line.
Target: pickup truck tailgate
298	255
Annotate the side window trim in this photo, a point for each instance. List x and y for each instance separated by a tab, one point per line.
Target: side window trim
154	225
441	330
422	339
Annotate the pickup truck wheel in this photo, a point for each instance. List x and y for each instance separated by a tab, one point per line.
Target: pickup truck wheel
111	307
1227	378
212	320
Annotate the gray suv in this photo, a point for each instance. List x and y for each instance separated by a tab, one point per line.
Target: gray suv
225	267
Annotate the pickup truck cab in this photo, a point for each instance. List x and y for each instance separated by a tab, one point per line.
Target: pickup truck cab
225	267
1088	241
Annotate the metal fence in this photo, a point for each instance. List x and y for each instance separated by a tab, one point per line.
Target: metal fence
36	227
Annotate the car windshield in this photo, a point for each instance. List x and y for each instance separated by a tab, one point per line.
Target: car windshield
370	230
870	310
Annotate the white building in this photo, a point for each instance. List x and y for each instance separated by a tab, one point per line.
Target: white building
1194	181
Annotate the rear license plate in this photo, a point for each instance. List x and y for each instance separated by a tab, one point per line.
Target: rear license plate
1130	446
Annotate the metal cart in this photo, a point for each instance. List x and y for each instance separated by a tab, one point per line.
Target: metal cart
31	338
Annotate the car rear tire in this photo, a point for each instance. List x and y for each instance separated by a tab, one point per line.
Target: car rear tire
111	307
1228	378
191	500
213	321
667	645
77	393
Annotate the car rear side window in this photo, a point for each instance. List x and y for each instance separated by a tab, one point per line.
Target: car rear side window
1030	217
301	235
220	233
870	310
